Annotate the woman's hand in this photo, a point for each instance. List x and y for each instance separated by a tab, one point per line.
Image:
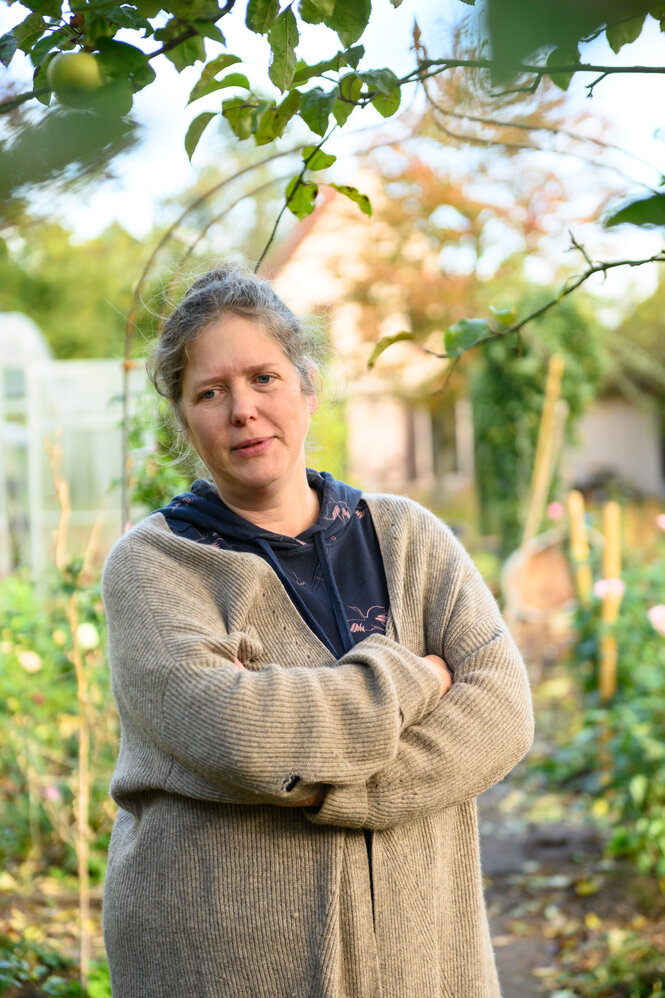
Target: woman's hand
439	666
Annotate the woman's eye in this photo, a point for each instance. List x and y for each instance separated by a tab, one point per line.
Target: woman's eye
265	379
209	393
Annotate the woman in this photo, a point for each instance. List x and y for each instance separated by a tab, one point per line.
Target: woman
296	795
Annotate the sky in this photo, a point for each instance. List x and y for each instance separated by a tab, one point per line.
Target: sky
629	107
160	166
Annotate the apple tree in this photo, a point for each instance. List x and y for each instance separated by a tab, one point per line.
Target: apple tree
91	57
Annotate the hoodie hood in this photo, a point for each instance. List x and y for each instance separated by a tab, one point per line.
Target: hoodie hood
201	515
304	564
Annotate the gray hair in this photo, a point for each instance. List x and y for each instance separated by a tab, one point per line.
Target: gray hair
227	291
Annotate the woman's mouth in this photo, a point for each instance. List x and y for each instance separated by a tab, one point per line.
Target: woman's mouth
252	448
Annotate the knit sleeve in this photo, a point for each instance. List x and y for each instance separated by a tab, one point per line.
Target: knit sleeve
268	733
478	732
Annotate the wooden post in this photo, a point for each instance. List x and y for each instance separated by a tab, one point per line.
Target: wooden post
579	547
607	679
544	462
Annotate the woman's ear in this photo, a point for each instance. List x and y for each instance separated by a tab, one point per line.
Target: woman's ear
312	402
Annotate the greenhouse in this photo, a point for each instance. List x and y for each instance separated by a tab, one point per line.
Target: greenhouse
60	450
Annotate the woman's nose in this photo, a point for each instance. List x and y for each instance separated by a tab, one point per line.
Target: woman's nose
242	407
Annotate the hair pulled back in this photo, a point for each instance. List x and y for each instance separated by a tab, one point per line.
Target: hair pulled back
220	292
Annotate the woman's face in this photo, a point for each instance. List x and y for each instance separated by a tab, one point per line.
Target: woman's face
245	412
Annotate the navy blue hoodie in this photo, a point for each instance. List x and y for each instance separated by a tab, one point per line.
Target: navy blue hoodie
333	571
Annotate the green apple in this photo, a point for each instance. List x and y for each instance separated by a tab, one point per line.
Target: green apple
73	76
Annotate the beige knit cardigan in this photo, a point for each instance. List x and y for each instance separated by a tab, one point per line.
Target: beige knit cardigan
212	890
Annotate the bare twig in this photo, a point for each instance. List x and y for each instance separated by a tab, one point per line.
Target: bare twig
296	186
431	67
602	267
526	127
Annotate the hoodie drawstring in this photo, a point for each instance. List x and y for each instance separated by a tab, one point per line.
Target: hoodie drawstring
338	608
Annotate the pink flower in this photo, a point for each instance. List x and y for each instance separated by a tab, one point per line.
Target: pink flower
609	587
660	521
656	615
52	793
555	511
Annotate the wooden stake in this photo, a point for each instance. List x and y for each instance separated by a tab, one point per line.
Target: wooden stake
544	465
579	547
607	679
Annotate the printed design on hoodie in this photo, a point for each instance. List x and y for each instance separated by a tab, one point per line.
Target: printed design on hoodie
366	623
333	509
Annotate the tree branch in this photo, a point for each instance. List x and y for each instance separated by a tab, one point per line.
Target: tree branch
526	127
192	32
570	285
431	67
13	102
288	200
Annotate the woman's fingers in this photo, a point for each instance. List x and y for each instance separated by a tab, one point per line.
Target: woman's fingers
436	662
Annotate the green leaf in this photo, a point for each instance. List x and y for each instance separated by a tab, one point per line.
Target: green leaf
261	15
48	8
624	32
207	30
387	105
349	19
505	316
33	25
350	87
354	195
195	131
354	55
301	197
649	211
384	343
385	84
398	3
187	53
120	59
8	45
563	57
149	8
240	115
316	159
315	109
193	10
349	58
463	335
232	80
114	98
127	17
383	80
316	11
209	72
283	38
274	119
47	44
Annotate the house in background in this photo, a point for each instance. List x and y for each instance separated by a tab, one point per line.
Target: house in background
403	435
620	440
